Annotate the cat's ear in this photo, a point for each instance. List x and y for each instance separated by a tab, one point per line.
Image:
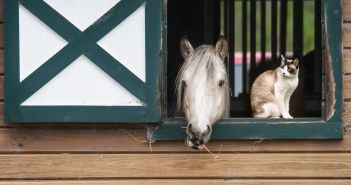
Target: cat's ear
186	48
222	47
283	60
296	62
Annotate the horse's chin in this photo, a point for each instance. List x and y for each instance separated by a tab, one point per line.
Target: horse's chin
195	147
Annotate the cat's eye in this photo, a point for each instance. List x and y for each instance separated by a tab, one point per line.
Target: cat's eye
221	83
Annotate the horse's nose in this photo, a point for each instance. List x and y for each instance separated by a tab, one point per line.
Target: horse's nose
201	142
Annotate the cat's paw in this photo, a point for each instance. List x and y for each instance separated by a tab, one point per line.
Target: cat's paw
288	116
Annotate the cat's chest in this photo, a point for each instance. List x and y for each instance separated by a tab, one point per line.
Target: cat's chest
285	85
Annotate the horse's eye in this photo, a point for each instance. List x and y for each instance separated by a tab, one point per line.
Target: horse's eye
221	83
184	83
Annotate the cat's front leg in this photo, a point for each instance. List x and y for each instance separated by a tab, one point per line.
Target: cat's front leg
287	104
281	104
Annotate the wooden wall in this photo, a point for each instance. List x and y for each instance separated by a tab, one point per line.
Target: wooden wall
89	154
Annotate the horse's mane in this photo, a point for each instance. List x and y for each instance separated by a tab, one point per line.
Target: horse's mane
200	63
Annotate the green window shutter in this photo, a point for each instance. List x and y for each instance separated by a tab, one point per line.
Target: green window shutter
27	94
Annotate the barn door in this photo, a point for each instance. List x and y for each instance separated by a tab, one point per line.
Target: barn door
82	61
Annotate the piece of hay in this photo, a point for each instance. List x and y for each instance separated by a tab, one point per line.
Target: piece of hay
212	154
347	129
138	140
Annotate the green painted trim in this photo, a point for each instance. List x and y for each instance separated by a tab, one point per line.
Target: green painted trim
298	128
153	31
334	29
11	40
50	69
82	43
95	53
254	131
81	114
116	71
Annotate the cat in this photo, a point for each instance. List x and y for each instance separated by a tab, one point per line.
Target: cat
271	91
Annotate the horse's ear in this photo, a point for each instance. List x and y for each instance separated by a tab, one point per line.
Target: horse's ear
296	62
185	48
222	47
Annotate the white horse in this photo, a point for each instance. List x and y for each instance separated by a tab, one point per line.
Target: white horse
202	89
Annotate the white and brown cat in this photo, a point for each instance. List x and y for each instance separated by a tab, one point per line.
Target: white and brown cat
271	91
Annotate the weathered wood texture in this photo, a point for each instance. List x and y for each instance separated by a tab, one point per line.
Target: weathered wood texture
179	182
347	61
34	140
103	154
50	166
347	10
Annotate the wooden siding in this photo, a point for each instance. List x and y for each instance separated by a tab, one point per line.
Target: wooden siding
66	154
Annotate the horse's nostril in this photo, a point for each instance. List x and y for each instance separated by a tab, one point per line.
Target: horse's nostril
193	140
201	142
209	129
189	126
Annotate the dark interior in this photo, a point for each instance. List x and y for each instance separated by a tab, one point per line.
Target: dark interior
268	28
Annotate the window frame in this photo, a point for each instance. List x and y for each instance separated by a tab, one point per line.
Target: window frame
329	126
15	90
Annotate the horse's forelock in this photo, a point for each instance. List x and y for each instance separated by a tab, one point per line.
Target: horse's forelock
202	62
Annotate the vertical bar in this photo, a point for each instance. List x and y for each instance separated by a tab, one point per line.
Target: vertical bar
283	25
226	29
252	40
263	30
274	31
298	28
231	40
318	47
244	45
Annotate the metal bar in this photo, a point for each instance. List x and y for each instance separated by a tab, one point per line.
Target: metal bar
244	44
283	25
274	31
252	40
298	29
318	47
231	40
263	30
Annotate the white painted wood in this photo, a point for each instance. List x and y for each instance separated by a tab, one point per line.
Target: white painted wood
82	83
37	42
126	43
82	13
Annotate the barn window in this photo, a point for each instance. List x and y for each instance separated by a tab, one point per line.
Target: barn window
258	33
75	61
116	60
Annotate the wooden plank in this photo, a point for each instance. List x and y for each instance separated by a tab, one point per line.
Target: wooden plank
1	35
112	140
347	10
347	87
1	61
1	88
302	165
1	11
347	35
122	182
347	61
177	182
347	113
